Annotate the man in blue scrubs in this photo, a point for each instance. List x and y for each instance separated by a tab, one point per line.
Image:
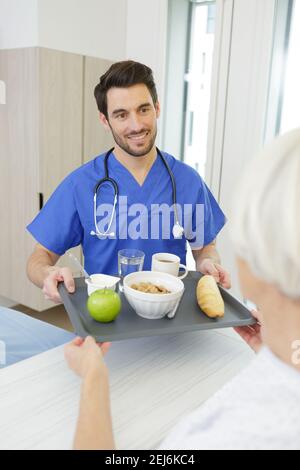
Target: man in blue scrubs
143	217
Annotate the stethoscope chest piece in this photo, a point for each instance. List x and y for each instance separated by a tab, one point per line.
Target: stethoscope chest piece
177	230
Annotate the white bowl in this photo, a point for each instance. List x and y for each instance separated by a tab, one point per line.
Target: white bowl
101	281
153	306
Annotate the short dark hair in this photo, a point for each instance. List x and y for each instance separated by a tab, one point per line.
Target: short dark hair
123	75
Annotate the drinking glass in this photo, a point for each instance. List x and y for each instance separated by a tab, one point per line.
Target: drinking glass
129	261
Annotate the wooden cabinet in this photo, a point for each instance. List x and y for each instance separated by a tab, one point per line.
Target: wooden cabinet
48	127
96	139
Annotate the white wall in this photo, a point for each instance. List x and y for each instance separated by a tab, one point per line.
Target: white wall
110	29
18	23
240	93
89	27
147	35
146	41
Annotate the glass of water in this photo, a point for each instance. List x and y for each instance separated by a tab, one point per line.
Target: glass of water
129	261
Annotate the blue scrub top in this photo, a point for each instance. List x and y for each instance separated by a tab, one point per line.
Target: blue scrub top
67	218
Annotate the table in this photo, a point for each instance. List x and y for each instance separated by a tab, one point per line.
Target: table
154	382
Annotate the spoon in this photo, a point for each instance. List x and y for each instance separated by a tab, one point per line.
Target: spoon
173	312
79	265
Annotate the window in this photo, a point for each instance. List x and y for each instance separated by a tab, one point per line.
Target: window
191	26
290	111
198	84
284	91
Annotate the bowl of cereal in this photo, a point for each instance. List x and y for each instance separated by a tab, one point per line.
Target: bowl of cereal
152	294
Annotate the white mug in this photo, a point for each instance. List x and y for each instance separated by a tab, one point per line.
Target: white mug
168	263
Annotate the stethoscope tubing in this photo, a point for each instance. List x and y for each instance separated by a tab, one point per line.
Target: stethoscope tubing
108	179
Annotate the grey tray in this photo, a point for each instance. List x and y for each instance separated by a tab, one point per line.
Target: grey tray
129	325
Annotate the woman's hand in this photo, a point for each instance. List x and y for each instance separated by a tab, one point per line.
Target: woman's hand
252	333
85	355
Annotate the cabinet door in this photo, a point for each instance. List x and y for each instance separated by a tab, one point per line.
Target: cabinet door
60	126
60	116
96	139
18	171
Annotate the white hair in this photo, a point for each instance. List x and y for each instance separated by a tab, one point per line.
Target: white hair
265	220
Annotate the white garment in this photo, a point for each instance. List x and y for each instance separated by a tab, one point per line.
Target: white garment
258	409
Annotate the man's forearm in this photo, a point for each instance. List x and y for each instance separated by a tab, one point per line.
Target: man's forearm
39	266
207	252
94	427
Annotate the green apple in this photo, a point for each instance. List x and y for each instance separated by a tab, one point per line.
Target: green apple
104	305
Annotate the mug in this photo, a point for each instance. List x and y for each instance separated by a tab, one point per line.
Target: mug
168	263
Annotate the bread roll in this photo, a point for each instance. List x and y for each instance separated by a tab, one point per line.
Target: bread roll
209	298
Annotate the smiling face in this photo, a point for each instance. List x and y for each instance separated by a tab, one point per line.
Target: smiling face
132	119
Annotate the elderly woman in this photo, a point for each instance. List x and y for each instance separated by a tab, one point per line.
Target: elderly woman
260	408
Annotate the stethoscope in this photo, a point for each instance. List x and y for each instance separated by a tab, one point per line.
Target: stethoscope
177	230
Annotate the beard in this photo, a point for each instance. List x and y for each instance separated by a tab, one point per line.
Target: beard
124	145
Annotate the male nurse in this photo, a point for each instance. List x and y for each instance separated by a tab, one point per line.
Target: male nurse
144	193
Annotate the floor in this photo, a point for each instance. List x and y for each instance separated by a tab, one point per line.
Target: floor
55	316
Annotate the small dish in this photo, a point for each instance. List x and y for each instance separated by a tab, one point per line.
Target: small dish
101	281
